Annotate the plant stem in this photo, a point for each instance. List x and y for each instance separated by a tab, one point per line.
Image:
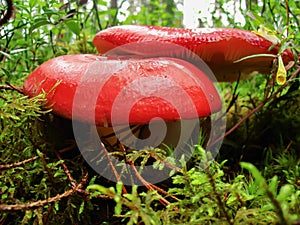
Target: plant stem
266	100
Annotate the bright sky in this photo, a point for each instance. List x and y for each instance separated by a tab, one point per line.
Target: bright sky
194	9
191	10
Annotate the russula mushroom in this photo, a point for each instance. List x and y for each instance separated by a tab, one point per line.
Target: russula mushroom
218	47
113	91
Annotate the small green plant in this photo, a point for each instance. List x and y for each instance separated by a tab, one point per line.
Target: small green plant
205	196
139	204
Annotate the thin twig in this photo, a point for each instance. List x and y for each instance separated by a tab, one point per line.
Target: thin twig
148	185
67	171
287	15
234	95
41	203
66	149
266	100
272	12
13	165
154	156
46	168
5	87
187	181
113	23
15	88
288	147
113	168
11	87
71	179
97	14
220	202
160	190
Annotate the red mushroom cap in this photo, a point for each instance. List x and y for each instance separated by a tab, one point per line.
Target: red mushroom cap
149	88
218	47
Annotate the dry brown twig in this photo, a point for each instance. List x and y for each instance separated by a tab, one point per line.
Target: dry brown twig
12	87
113	167
66	169
148	185
177	169
17	164
41	203
69	175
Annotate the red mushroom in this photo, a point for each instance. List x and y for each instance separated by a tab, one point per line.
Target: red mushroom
218	47
114	91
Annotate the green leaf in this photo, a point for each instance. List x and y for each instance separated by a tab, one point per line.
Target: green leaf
56	206
98	187
129	196
32	3
273	185
38	24
73	26
285	192
254	171
118	208
119	187
6	72
81	208
254	56
102	2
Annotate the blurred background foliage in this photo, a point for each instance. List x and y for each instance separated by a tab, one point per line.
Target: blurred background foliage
34	155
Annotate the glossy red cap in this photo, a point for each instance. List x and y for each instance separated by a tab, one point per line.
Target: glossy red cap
218	47
167	88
